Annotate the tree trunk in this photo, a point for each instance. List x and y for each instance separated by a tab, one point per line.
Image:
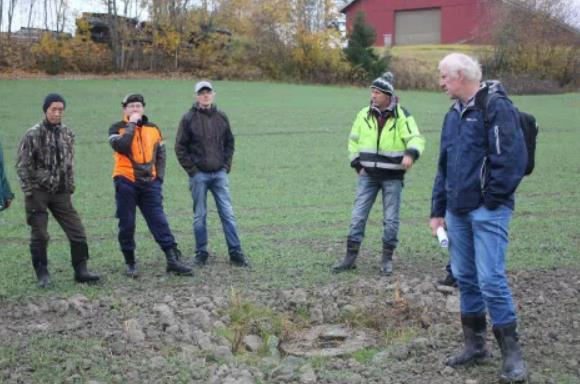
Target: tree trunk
11	6
1	13
30	9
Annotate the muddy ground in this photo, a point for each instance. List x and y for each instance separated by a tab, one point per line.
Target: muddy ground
228	328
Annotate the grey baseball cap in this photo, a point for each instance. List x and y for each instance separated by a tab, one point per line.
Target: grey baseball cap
203	85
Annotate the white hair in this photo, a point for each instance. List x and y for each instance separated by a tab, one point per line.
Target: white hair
459	62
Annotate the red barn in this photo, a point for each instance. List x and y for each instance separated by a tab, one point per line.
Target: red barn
403	22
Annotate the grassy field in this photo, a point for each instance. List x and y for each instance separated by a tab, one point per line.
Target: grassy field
291	181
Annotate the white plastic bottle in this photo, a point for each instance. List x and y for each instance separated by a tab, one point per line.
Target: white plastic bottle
442	237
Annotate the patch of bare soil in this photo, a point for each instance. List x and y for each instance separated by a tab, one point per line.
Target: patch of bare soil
153	332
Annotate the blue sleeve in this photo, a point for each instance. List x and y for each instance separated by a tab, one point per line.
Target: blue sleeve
438	196
507	155
5	191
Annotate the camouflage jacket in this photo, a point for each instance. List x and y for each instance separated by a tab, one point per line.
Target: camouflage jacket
45	159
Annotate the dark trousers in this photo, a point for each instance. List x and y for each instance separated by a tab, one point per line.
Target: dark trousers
60	205
146	196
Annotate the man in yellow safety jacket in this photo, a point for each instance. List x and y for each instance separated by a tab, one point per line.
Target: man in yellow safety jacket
384	144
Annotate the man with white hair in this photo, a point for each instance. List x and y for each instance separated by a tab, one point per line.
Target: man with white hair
480	166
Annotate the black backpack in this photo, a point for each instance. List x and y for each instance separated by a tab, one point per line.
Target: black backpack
528	124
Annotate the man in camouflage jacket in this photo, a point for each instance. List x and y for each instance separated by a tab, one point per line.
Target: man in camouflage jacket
45	170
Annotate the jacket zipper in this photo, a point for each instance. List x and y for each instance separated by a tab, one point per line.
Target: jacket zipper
482	175
379	132
140	139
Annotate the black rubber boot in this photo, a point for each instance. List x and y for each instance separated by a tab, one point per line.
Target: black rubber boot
513	369
475	349
200	258
239	259
79	255
174	265
448	281
131	264
349	261
40	264
387	260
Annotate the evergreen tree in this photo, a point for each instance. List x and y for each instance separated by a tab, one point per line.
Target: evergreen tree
359	51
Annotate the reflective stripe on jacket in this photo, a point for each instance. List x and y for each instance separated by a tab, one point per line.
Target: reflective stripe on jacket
139	150
383	149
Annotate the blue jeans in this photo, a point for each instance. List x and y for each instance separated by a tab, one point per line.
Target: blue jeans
147	196
477	242
218	184
366	193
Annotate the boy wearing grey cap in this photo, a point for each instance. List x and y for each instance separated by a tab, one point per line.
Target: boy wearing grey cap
205	147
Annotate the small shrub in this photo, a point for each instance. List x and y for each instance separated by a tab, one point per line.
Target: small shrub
411	73
247	318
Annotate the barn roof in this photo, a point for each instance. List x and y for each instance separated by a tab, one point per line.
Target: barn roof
346	7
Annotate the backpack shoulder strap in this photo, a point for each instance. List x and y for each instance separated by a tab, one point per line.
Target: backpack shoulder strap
482	102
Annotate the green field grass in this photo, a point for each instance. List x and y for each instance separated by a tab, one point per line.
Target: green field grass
291	182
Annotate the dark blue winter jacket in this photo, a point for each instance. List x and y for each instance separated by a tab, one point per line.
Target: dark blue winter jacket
479	164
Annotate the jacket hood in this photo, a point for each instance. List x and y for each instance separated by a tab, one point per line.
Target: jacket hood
491	86
197	108
486	88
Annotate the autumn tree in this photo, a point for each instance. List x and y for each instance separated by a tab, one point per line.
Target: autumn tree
533	43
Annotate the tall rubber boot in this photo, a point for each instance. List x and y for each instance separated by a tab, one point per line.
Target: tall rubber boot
131	264
387	260
513	369
475	348
349	261
40	264
174	265
79	256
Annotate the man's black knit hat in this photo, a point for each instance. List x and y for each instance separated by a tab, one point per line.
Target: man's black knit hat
52	98
133	98
385	83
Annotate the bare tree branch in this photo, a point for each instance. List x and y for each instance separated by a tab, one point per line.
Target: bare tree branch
11	7
30	11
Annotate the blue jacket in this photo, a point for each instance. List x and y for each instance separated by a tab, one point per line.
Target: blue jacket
478	164
5	192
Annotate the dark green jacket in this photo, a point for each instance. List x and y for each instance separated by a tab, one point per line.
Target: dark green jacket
5	191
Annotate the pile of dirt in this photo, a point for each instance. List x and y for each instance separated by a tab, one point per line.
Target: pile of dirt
405	327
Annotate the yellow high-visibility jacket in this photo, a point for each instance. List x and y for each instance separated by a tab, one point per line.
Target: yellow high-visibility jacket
381	151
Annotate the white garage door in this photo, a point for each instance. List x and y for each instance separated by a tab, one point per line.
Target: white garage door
418	27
